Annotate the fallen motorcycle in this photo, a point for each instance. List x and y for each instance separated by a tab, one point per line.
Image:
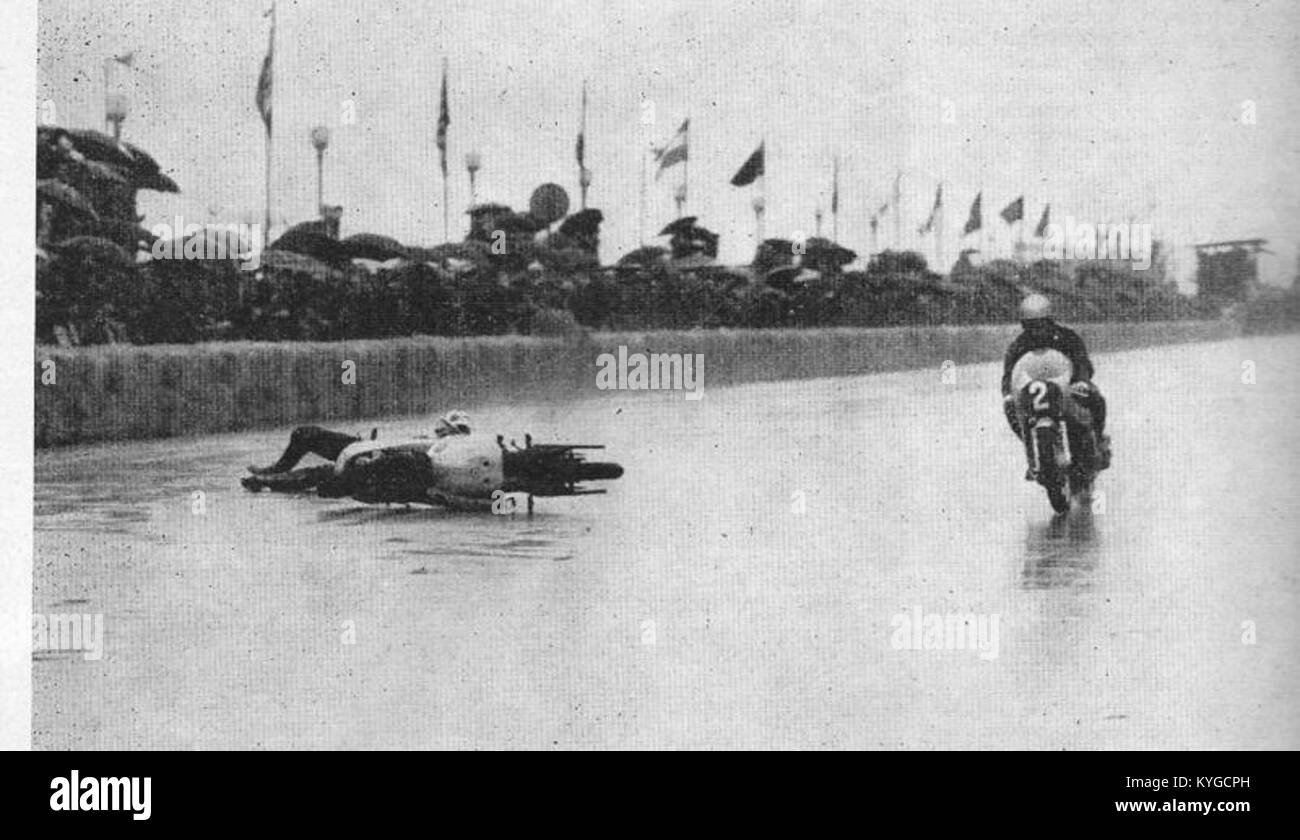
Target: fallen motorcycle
459	472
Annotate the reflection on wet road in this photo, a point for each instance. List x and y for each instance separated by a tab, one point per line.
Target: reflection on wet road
738	587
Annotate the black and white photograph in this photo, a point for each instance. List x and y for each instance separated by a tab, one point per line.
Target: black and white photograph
758	375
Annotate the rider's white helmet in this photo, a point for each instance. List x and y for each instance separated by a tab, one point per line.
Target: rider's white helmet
1035	308
453	422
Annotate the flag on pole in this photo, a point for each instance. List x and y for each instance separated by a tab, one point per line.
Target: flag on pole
975	221
835	187
1041	230
444	120
1014	212
581	148
934	212
676	150
126	59
264	81
752	170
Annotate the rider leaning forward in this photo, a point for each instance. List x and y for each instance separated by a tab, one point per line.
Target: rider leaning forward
1042	332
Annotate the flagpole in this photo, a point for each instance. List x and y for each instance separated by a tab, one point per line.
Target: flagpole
266	231
645	154
835	204
986	235
583	181
898	211
107	67
686	170
938	232
442	156
268	185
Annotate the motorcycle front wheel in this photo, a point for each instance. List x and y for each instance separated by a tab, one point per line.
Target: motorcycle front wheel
1051	476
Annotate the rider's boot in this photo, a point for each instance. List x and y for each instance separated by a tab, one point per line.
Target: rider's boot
1103	452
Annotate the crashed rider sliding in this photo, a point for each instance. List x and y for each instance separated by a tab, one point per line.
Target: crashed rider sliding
1041	332
337	447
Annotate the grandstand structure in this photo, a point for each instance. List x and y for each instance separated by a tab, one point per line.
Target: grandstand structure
1228	272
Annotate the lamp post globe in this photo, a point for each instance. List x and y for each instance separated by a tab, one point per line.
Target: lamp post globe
320	139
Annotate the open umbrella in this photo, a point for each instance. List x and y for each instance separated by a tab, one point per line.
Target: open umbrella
59	193
121	231
685	225
133	165
648	255
372	246
53	149
157	182
317	245
824	254
97	145
92	250
487	207
583	223
518	223
290	261
144	163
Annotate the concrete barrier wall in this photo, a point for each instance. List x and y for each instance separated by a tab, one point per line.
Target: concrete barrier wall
126	392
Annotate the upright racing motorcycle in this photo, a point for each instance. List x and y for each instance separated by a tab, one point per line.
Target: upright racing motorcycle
1059	441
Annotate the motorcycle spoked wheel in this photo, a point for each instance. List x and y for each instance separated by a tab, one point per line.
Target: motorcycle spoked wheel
1050	475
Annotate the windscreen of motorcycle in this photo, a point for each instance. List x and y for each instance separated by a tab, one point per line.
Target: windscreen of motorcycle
467	465
1047	364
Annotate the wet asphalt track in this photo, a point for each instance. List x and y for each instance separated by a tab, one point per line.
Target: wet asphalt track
695	605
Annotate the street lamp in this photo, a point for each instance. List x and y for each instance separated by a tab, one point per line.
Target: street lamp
473	163
320	138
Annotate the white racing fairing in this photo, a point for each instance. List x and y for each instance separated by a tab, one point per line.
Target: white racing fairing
464	465
1046	365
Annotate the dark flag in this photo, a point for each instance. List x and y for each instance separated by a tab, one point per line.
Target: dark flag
752	170
444	120
677	149
835	187
934	212
582	131
1041	230
1014	212
265	79
975	222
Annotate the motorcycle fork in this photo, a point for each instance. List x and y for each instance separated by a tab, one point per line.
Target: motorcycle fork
1036	454
1031	445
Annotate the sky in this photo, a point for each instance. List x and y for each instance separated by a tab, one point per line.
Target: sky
1177	115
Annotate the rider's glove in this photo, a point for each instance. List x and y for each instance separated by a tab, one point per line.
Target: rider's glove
1081	390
